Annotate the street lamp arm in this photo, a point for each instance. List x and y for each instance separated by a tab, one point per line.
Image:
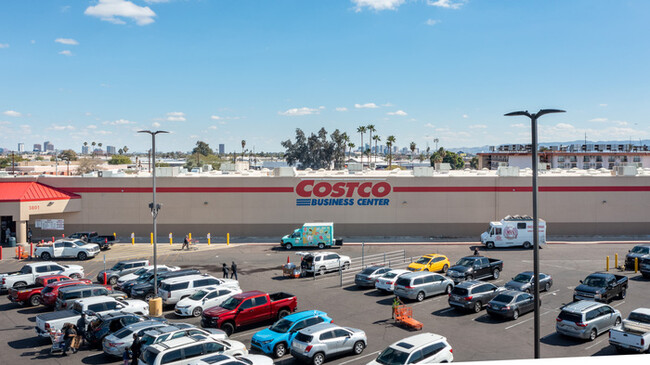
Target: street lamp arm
548	111
512	114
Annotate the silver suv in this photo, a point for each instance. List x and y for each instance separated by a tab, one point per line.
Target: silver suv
422	284
586	319
315	343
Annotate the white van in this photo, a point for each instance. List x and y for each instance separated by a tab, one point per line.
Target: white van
174	289
511	231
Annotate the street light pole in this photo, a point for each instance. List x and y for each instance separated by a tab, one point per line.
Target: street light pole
533	123
154	210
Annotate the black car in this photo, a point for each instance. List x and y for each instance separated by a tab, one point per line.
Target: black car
473	295
524	282
107	324
639	252
144	290
511	304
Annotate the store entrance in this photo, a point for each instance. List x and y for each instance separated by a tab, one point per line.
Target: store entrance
6	221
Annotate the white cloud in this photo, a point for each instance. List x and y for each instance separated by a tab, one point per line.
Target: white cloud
62	127
175	117
91	126
114	10
103	133
465	116
66	53
216	117
602	105
366	106
399	112
432	22
478	126
447	4
429	125
341	109
4	45
214	127
387	104
12	113
119	122
620	122
67	41
4	122
295	112
377	5
518	125
598	120
32	41
155	124
25	129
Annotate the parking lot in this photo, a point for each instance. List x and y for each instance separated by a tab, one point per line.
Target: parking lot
473	336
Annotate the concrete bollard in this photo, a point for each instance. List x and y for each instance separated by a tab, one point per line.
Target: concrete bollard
607	265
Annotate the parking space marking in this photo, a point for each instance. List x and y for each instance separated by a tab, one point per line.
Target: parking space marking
549	293
595	344
526	320
616	305
357	358
243	334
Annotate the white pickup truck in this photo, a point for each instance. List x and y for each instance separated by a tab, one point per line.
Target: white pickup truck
28	274
54	321
633	334
67	248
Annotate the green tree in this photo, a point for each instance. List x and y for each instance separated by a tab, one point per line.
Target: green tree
68	155
202	148
119	160
377	139
120	151
351	145
389	143
370	128
454	160
474	162
361	130
315	151
87	165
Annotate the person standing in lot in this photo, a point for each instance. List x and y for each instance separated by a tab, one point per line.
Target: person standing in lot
29	235
68	335
81	328
136	346
224	268
7	235
126	356
186	243
233	270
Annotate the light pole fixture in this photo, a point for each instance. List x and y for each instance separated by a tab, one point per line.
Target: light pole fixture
533	119
154	209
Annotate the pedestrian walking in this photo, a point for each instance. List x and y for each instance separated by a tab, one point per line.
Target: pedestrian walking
233	270
224	268
29	235
68	335
186	243
136	346
126	356
476	251
7	235
81	328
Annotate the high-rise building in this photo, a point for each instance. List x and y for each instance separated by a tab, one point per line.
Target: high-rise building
21	147
222	149
85	150
37	147
110	150
47	146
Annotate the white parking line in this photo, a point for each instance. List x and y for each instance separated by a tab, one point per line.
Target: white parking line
595	344
616	305
550	293
526	320
357	358
243	334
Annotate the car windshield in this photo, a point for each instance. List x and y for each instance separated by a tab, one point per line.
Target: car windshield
392	356
594	281
389	275
523	278
198	295
46	290
147	340
368	271
231	303
149	356
465	262
281	326
118	266
641	249
123	333
503	298
140	271
423	260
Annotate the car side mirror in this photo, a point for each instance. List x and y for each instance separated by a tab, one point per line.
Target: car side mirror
580	281
348	335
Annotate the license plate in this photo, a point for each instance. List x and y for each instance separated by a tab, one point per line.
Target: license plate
299	347
455	297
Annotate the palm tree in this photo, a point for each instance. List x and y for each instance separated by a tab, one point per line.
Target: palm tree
125	149
346	141
351	145
389	142
93	144
412	148
370	128
243	145
376	138
361	130
100	146
120	151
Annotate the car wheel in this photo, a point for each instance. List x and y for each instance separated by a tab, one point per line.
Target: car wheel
593	334
321	245
82	256
444	268
321	270
288	246
75	276
197	312
283	313
489	245
496	273
279	350
20	284
623	293
420	296
469	277
515	315
527	290
547	286
448	289
46	256
112	280
527	245
346	266
35	300
228	327
148	297
358	347
318	359
477	307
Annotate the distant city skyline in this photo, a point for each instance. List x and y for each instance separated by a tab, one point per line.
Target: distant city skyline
222	72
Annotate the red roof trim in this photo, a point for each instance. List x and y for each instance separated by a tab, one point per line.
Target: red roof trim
29	191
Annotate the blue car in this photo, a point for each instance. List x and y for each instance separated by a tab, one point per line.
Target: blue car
276	340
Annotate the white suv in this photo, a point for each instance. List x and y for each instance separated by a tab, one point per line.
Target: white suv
425	348
202	299
174	289
185	350
322	262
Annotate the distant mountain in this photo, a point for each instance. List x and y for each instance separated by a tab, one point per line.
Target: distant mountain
486	148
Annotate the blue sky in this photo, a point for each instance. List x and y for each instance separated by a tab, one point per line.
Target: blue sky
226	70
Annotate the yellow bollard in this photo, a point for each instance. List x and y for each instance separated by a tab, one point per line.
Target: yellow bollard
208	239
170	238
227	239
190	236
114	235
636	265
152	238
607	267
616	260
132	238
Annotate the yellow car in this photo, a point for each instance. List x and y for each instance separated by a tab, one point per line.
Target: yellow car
432	262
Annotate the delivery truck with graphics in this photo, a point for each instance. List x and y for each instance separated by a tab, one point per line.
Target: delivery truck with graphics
512	231
319	235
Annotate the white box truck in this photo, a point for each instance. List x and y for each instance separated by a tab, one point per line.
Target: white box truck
512	231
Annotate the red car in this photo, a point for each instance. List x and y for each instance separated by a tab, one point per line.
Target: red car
51	291
31	294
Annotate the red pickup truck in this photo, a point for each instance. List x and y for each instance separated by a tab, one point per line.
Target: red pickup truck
248	308
51	291
31	294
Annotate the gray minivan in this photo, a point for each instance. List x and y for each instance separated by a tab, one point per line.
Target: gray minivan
586	319
69	294
422	284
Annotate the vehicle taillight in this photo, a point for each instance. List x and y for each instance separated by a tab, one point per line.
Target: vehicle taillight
389	282
610	334
169	295
376	280
642	342
580	324
468	298
558	319
451	350
507	307
408	287
4	280
308	348
47	326
331	321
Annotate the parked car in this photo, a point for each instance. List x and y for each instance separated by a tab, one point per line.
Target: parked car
276	340
644	266
203	298
67	249
524	282
174	289
105	324
143	287
422	284
473	295
602	287
475	267
511	304
177	330
368	275
145	270
50	293
28	274
322	262
425	348
387	281
186	350
634	333
31	294
639	252
248	308
316	343
119	269
114	343
68	295
432	262
586	319
231	360
105	242
86	236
